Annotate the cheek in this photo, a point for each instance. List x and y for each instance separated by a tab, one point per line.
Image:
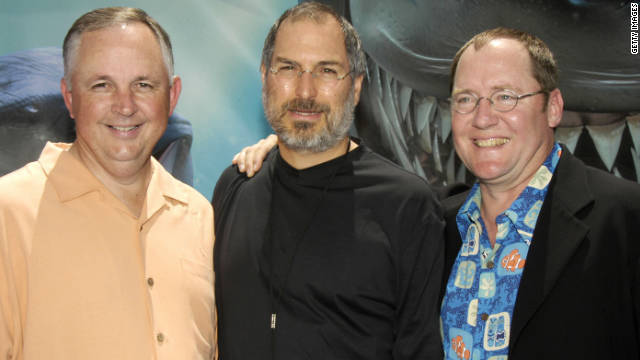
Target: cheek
336	99
86	114
462	144
156	112
81	104
286	89
457	129
154	107
91	108
88	130
277	93
462	149
521	123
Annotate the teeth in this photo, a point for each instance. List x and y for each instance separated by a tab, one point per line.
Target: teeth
491	142
124	128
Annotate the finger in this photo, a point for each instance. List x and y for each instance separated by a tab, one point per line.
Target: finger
257	165
241	160
250	160
258	155
263	147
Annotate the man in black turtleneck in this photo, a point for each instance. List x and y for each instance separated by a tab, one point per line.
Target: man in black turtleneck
330	252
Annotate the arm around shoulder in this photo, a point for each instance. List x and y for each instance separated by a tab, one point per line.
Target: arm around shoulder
250	158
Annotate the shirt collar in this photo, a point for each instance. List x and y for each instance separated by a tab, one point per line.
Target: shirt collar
71	179
162	186
540	181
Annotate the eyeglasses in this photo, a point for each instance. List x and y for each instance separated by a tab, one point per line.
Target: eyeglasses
323	75
501	100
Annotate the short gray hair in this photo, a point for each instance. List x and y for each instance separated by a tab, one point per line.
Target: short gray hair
317	12
99	19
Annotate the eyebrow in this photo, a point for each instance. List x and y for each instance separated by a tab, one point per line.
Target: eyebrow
285	60
321	63
105	77
493	89
460	91
145	78
100	77
505	87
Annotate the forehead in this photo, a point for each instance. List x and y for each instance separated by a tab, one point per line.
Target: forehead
309	41
499	63
131	45
125	33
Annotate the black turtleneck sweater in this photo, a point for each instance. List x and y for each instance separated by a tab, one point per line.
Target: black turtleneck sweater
364	280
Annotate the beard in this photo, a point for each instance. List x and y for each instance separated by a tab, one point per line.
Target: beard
302	135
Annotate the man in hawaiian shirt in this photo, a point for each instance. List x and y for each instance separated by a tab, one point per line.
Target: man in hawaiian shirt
543	264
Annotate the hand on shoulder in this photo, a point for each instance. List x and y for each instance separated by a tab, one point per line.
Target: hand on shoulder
250	158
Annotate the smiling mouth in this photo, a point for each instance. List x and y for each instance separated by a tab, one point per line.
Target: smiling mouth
491	142
124	128
305	114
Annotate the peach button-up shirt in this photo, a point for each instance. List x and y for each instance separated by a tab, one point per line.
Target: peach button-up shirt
83	278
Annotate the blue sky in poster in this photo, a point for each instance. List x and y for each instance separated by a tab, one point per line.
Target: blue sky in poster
217	47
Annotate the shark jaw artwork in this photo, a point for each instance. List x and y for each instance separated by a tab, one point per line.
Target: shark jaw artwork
404	113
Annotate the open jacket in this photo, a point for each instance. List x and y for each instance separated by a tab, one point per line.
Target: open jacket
579	297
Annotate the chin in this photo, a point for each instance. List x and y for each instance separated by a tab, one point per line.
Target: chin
487	172
129	155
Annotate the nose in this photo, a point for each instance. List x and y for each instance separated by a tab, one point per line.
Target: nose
306	86
484	116
124	103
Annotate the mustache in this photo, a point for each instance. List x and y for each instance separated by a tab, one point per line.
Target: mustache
298	104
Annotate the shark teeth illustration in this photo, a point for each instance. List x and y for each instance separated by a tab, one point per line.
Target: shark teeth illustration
415	131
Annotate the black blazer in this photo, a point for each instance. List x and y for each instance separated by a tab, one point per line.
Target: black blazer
579	296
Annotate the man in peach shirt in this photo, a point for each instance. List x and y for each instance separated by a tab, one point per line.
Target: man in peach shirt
103	254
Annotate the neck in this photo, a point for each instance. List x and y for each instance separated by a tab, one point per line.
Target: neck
496	199
130	190
302	159
498	195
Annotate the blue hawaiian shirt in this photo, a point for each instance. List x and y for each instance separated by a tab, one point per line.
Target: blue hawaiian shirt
481	292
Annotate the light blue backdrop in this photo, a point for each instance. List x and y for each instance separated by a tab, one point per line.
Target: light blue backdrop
217	47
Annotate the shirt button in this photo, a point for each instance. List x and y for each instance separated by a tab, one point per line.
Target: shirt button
150	281
490	265
160	337
484	316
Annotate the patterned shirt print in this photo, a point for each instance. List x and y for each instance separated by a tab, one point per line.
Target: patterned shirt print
481	292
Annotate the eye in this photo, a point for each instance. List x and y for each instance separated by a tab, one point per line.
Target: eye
328	71
505	97
99	85
462	99
144	85
286	68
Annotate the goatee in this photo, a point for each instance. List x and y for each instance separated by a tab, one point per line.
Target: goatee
300	136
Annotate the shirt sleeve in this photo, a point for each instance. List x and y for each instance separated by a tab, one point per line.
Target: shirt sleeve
421	261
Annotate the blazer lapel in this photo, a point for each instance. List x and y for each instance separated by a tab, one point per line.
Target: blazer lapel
557	235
